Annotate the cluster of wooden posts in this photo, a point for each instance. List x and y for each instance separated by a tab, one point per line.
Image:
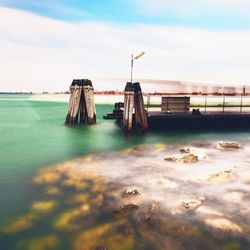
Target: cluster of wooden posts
134	107
81	107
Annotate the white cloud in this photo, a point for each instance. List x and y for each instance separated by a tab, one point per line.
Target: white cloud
38	53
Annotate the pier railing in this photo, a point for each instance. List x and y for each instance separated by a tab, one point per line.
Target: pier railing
206	103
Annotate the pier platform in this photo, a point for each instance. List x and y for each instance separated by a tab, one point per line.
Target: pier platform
209	120
180	112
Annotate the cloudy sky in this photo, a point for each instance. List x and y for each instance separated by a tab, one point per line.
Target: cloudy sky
45	44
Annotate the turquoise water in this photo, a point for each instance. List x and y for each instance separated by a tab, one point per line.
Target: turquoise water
33	135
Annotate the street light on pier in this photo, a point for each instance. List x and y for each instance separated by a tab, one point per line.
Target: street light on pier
132	62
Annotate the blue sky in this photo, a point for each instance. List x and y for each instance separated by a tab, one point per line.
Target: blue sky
213	15
45	44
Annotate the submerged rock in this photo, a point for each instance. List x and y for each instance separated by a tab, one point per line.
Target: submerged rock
187	158
228	145
130	192
47	176
66	220
149	214
79	198
113	235
222	176
185	150
191	204
223	224
25	222
97	201
43	206
41	243
76	180
53	191
20	224
171	158
125	208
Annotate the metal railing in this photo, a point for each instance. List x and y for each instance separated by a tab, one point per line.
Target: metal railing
220	103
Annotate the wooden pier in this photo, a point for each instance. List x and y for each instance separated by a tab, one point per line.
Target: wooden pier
81	108
176	113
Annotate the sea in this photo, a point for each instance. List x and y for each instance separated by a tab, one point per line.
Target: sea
93	187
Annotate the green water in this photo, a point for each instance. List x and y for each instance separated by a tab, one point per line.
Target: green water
33	135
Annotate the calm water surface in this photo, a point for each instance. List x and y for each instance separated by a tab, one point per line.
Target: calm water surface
33	136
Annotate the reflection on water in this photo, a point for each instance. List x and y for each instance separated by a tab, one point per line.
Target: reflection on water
143	197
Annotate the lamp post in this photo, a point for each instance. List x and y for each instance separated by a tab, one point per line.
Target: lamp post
132	62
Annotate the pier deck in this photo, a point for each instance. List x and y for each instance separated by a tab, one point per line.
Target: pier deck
208	120
180	112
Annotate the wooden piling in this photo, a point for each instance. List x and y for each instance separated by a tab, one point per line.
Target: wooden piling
128	107
72	89
83	115
141	120
75	105
90	104
81	103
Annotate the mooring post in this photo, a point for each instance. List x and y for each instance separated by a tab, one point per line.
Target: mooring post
75	105
141	119
83	113
81	101
90	103
128	107
72	89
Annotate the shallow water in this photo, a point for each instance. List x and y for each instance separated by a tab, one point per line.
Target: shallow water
74	210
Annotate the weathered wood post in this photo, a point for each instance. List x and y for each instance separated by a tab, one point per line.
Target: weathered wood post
83	115
75	105
81	101
72	89
141	119
90	103
74	101
128	107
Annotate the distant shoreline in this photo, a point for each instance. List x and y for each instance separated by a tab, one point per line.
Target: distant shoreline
154	101
120	93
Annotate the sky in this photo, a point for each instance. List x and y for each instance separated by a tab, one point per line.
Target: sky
45	44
